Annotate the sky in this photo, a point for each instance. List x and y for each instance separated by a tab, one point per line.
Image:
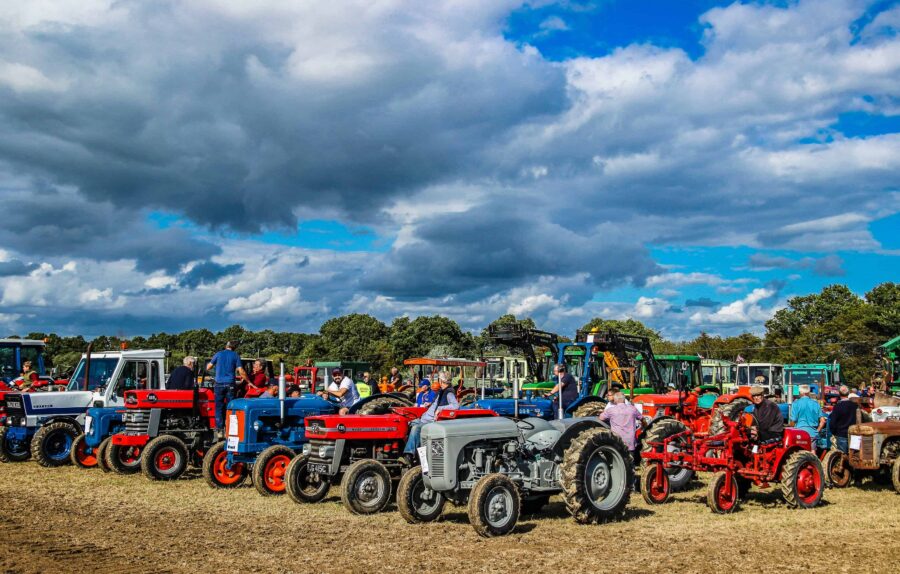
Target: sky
195	164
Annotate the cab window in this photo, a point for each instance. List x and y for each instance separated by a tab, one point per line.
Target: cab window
132	377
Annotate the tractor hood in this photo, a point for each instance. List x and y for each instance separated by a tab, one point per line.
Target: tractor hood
48	403
357	427
149	399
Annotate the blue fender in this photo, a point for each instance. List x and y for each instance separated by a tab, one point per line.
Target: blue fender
105	421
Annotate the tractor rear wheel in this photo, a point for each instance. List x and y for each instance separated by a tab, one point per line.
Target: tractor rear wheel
216	472
837	472
895	474
366	487
596	476
414	504
662	429
717	499
731	410
52	444
122	459
101	454
591	409
12	450
383	405
83	455
164	458
802	480
302	487
494	505
652	492
270	468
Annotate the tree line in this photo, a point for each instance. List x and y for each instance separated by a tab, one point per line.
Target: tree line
833	325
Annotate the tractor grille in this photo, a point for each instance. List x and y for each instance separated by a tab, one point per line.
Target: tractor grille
137	421
436	458
865	456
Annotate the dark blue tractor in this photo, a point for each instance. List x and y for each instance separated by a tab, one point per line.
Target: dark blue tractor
262	435
91	448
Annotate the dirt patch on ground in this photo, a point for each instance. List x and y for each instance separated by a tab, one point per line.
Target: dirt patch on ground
73	520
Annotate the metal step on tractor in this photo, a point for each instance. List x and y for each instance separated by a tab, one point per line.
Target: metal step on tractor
501	469
362	452
51	426
737	463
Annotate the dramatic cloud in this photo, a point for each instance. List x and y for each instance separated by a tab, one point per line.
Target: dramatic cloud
828	266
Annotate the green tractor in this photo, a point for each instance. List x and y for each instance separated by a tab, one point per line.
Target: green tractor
887	376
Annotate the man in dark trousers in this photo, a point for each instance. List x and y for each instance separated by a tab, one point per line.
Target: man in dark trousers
566	389
228	368
842	417
182	378
768	423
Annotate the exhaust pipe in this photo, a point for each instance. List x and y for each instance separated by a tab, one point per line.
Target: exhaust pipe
281	393
87	365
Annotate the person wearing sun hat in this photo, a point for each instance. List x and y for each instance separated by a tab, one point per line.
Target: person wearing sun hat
768	423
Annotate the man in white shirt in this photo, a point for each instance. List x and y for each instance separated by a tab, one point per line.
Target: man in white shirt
342	388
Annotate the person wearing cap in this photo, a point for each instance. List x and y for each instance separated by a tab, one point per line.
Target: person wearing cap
842	417
342	388
445	400
427	392
228	370
768	424
806	414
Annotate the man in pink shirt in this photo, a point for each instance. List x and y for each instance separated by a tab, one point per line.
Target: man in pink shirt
622	418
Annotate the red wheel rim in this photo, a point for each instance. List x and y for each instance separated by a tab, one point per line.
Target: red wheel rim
723	501
84	457
274	472
166	459
809	482
129	456
659	485
225	475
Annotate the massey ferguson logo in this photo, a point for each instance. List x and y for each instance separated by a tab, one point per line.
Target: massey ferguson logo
315	428
151	398
341	428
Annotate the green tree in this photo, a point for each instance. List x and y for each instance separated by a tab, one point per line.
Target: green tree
354	337
422	335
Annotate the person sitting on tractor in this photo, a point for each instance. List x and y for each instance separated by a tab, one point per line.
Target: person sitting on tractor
372	383
257	381
342	388
28	375
182	377
768	424
842	417
427	393
806	414
566	389
445	399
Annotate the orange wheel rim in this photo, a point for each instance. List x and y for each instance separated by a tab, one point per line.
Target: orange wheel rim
224	474
274	472
84	457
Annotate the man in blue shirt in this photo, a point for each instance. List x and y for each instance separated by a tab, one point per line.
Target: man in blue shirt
227	363
806	414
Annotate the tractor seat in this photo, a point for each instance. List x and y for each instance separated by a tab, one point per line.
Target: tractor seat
706	400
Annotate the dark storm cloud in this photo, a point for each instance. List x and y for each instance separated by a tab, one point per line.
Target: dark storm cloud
702	302
828	266
208	272
15	267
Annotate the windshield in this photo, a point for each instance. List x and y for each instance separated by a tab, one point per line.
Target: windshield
808	377
101	372
716	374
758	375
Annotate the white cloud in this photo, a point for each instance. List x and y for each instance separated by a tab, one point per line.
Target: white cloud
650	307
743	312
266	302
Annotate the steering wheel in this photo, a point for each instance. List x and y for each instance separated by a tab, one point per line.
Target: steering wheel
523	423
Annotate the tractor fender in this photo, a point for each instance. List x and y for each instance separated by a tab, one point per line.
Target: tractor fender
64	419
358	404
574	430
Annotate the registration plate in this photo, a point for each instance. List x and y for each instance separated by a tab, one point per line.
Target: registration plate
231	444
318	468
13	404
87	424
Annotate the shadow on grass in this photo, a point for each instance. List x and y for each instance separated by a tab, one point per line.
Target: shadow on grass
555	510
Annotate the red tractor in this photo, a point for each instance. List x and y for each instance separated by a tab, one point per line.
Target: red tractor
364	452
167	430
737	463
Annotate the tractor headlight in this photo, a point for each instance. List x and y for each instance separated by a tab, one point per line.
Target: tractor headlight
307	448
326	451
257	425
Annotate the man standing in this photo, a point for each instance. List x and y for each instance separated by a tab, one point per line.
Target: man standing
768	424
566	389
226	363
445	400
624	420
182	378
369	380
396	381
343	388
842	417
806	414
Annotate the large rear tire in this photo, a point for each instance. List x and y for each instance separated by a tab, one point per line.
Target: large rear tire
383	405
802	480
82	455
52	444
662	429
895	474
300	486
270	469
731	411
122	459
494	506
591	409
101	454
596	476
12	450
366	487
837	472
717	499
216	472
164	458
414	506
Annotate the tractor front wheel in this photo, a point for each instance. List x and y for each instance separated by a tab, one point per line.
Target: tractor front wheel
101	454
122	459
837	471
596	477
802	480
300	485
895	474
719	500
270	468
655	491
52	444
216	471
82	455
494	505
366	487
164	458
416	503
12	450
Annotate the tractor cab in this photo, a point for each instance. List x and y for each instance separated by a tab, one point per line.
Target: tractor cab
819	376
887	374
718	372
768	375
16	352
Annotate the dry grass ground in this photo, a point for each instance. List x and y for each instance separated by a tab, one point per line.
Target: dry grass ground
71	520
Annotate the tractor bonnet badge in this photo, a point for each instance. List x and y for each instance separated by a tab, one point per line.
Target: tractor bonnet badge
315	428
341	428
151	398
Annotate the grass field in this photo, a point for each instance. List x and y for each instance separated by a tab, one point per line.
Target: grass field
72	520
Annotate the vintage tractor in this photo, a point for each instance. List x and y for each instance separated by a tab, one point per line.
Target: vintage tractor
363	452
49	426
737	463
874	449
502	468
